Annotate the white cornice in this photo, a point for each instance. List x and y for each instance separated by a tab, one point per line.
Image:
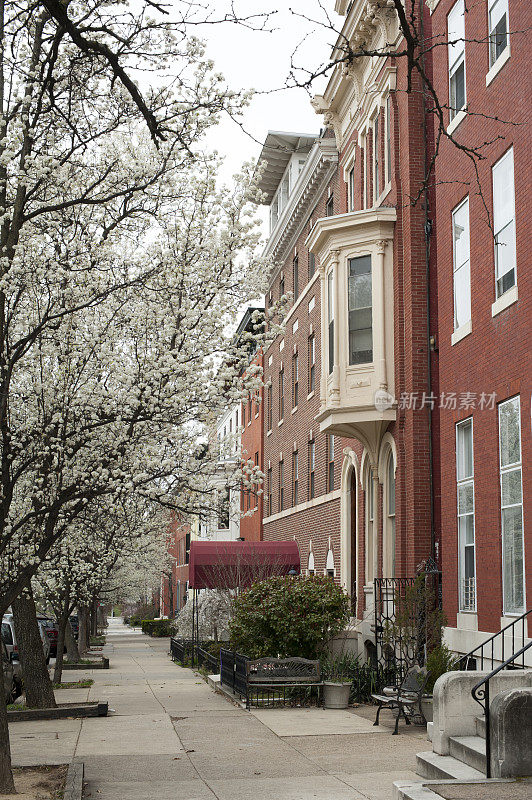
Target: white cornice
353	228
318	170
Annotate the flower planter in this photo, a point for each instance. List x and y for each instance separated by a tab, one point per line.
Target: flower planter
427	707
336	694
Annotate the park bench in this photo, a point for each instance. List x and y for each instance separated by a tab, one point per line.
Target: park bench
405	698
270	677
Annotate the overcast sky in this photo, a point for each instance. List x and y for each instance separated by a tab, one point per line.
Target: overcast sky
259	60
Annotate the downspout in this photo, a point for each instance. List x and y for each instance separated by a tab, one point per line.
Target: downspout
428	231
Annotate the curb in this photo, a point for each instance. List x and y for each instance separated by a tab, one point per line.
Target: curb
74	781
63	711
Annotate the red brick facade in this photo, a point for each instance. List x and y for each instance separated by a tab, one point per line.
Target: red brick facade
174	579
495	357
252	448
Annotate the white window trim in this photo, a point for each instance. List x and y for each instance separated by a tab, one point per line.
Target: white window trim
457	119
498	65
502	470
505	300
461	332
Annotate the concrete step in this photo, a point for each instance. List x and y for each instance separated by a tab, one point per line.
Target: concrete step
469	749
433	766
480	723
431	790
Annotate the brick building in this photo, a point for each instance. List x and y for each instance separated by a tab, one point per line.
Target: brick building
393	305
349	469
174	578
252	430
484	318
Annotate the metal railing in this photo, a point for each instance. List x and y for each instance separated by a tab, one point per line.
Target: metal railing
492	651
233	673
189	653
481	693
182	650
203	658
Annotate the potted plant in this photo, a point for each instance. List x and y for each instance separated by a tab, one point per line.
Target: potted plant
439	661
337	673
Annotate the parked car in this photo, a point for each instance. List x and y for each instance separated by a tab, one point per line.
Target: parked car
45	639
52	631
74	624
12	645
9	642
10	689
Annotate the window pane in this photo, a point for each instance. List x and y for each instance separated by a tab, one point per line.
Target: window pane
462	295
456	32
461	234
465	498
466	529
360	310
457	99
505	256
464	455
469	562
503	191
511	487
512	529
391	487
510	444
498	29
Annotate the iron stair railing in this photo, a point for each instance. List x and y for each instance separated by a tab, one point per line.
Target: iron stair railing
481	693
487	652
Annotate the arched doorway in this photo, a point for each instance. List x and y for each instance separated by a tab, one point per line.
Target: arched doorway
349	521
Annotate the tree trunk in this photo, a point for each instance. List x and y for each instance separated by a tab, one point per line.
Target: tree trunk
7	785
84	623
71	644
37	684
94	617
62	620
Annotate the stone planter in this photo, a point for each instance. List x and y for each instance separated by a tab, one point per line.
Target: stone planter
101	663
63	711
336	694
427	707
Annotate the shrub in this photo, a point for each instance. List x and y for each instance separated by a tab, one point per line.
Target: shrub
157	627
439	661
287	616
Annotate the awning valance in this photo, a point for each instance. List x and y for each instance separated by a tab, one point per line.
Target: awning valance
230	565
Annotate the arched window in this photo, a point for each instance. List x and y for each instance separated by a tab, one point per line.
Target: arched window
329	565
390	516
311	570
370	526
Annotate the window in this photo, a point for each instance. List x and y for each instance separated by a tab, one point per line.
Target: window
281	394
360	311
296	277
295	380
274	213
311	363
370	530
466	514
249	410
388	165
281	485
311	569
295	477
223	509
281	286
330	319
375	158
390	514
311	264
456	50
351	189
311	469
461	265
329	206
504	222
330	463
270	490
511	506
329	564
498	26
269	414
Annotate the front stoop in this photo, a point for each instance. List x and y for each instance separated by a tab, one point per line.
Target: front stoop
469	749
408	790
433	766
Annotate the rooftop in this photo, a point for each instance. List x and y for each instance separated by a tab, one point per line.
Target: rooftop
278	148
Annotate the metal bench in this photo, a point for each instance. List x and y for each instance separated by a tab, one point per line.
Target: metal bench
271	675
404	698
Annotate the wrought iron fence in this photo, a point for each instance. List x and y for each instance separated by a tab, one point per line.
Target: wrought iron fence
182	650
233	673
203	658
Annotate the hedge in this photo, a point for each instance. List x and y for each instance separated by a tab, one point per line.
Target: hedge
157	627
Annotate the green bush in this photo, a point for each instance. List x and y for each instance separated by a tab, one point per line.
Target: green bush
284	617
157	627
439	661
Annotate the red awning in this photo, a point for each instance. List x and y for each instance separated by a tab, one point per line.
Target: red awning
228	565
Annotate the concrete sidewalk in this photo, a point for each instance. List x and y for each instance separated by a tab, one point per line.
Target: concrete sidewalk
172	737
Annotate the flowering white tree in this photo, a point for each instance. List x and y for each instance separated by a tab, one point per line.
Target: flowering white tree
121	269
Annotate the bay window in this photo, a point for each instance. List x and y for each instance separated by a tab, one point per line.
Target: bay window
360	310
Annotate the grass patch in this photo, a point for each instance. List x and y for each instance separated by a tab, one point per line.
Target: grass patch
97	641
16	706
83	684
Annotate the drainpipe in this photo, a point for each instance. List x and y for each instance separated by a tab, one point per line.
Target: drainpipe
428	231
